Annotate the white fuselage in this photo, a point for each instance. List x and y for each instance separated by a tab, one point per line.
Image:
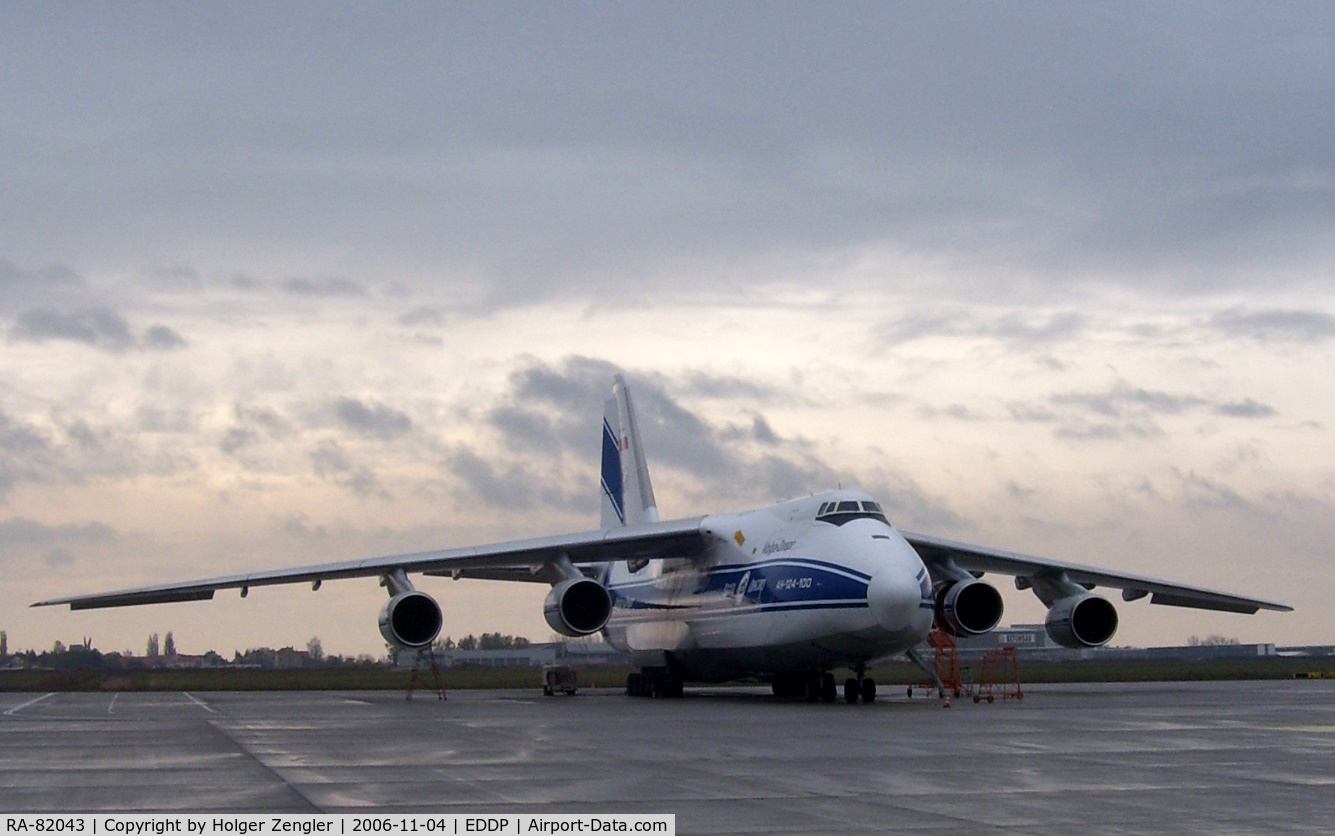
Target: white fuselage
778	590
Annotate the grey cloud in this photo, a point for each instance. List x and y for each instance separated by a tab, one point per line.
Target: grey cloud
1126	411
25	453
329	459
499	486
556	406
155	419
1245	409
955	411
524	428
323	287
1200	492
556	410
726	387
1021	330
1122	397
1019	148
97	327
100	327
58	557
778	476
1301	326
73	450
178	279
237	438
243	282
297	525
1030	413
12	276
252	424
375	420
265	417
20	288
162	338
762	432
579	382
334	464
424	315
1081	430
909	505
21	531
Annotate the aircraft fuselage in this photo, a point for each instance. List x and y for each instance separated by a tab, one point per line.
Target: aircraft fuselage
783	589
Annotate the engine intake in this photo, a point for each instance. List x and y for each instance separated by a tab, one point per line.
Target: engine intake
410	620
577	607
968	608
1081	621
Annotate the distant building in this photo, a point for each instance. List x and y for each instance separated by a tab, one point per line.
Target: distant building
531	655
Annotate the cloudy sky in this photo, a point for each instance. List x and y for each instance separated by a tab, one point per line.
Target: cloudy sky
284	283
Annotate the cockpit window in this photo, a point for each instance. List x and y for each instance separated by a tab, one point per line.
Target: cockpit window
838	513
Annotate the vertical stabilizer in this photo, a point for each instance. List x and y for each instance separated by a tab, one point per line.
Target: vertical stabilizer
628	495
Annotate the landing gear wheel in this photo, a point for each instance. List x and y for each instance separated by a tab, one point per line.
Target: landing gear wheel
788	685
868	689
850	690
813	688
828	692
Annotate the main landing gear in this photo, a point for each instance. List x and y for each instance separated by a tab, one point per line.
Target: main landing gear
654	682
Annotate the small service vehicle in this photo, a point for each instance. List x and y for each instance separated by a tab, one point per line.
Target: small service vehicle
558	678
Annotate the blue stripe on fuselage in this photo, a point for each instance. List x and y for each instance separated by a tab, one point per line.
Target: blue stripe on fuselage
768	585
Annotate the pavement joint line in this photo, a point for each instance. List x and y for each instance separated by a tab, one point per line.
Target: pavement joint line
246	752
22	706
197	701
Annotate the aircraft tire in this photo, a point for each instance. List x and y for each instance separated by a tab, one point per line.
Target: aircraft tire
813	688
868	690
851	691
788	685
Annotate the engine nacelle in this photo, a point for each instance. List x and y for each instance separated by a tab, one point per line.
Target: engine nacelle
1081	621
410	620
577	607
968	608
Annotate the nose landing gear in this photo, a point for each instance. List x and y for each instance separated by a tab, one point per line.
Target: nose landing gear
859	686
821	687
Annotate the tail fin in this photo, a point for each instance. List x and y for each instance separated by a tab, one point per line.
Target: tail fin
628	494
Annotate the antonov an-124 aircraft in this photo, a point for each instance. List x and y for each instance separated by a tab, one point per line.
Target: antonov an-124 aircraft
783	594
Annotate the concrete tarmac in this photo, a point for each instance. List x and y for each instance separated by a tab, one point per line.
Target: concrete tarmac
1125	758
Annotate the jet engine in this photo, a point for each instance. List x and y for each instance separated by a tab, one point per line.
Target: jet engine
577	607
968	607
410	620
1081	621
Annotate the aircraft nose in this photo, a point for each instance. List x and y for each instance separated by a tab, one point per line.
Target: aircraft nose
894	595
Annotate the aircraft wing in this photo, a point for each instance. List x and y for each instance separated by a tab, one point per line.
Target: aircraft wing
935	550
516	560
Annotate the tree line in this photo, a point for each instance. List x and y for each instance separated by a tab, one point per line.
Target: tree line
486	641
162	651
